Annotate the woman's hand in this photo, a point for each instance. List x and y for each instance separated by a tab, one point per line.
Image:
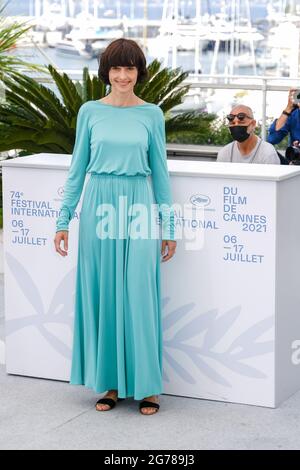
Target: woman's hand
61	235
171	244
290	105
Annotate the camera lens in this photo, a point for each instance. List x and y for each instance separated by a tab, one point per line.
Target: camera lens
292	153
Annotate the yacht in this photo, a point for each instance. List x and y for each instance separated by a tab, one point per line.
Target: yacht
77	49
97	38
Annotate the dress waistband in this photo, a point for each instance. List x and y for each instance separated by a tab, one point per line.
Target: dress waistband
113	175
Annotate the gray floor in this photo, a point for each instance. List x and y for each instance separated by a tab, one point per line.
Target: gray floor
44	414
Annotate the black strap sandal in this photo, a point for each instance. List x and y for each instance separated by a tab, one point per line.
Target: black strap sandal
108	401
148	404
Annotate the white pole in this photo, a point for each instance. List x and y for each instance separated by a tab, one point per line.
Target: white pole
164	32
38	8
284	5
96	9
71	8
232	42
236	27
164	19
86	7
132	9
197	45
175	35
64	8
182	9
145	29
118	9
251	40
264	109
294	51
215	56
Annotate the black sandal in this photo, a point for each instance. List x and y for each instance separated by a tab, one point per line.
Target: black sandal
148	404
108	401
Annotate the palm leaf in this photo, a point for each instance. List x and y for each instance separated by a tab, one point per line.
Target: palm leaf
86	85
35	119
79	89
14	138
42	97
69	93
14	99
98	88
10	33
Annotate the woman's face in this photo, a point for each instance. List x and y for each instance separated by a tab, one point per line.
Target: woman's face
123	79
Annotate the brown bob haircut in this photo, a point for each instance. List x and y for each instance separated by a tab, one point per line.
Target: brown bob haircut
122	53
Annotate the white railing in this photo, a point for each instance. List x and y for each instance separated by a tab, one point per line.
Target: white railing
258	83
264	84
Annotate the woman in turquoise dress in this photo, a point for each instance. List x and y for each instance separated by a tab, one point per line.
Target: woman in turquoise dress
120	141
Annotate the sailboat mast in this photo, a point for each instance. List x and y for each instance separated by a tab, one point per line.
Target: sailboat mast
197	39
145	29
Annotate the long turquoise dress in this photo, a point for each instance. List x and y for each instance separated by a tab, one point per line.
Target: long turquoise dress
117	341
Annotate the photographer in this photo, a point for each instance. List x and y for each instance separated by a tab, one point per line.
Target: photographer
287	123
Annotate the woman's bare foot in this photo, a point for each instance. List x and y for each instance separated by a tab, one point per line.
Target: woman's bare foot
149	410
113	394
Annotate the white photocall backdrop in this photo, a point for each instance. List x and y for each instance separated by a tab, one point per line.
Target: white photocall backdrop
39	283
221	305
222	302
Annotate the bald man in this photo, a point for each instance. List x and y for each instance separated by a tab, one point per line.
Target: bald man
246	146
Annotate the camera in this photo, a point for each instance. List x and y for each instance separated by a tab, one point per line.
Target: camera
292	154
296	99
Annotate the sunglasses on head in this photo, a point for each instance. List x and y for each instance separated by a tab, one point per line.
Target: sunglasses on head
240	116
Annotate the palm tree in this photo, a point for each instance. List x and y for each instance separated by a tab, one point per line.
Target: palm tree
35	119
9	36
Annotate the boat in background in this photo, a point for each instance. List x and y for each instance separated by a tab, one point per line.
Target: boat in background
75	49
93	33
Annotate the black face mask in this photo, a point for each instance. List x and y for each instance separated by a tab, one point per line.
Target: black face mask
239	133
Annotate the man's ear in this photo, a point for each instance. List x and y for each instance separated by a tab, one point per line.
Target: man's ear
253	125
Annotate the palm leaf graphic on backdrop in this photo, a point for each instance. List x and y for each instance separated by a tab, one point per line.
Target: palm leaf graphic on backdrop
60	310
215	328
213	325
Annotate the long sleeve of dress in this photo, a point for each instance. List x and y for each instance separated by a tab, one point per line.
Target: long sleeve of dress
160	176
76	175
